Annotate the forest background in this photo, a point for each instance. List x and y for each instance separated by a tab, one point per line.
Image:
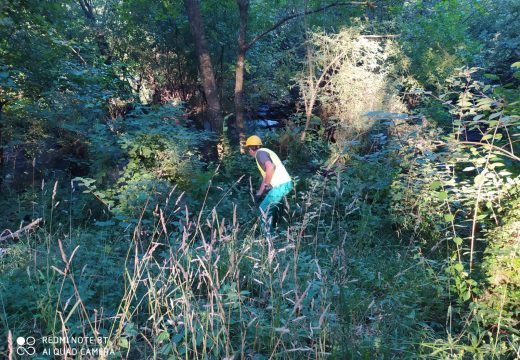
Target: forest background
126	204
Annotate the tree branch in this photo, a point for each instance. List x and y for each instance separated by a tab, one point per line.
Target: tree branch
290	17
18	233
505	152
77	54
509	154
87	9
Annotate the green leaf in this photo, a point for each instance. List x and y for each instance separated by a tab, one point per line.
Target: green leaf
123	342
491	76
449	217
485	104
166	349
479	179
443	195
459	267
457	240
162	336
146	152
177	338
435	185
6	22
104	223
315	120
130	330
516	65
495	115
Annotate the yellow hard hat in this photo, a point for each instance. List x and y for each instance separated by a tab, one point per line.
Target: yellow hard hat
253	141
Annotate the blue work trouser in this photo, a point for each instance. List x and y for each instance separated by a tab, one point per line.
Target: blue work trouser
272	199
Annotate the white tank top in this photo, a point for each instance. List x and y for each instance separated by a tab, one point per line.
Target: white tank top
280	176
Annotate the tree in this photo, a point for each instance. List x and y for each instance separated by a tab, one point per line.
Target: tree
243	6
244	46
205	66
104	49
348	74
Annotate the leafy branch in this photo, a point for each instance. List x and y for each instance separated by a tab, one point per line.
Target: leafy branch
303	13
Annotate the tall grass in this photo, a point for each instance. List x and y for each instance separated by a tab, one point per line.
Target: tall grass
332	281
201	286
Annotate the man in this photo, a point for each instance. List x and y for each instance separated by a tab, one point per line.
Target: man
276	180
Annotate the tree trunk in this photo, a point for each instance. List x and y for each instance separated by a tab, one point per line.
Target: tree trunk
243	6
309	106
101	40
184	88
206	68
309	103
103	47
2	159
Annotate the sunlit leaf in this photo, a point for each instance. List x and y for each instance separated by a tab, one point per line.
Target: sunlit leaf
479	179
435	185
495	115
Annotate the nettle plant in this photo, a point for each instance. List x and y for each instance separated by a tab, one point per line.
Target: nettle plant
462	186
484	165
159	152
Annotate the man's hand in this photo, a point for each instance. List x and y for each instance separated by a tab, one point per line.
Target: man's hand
264	189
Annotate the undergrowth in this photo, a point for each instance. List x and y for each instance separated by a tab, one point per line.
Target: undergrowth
332	281
402	245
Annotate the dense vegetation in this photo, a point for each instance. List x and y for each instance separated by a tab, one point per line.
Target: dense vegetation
126	203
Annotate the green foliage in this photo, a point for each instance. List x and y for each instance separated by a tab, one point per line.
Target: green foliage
457	186
165	73
158	153
500	43
436	38
228	287
339	68
499	306
399	241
